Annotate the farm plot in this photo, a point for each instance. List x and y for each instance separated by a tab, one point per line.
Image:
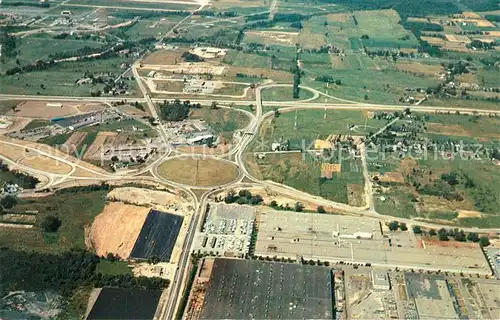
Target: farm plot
116	229
271	37
44	110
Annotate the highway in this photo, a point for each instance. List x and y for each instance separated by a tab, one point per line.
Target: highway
250	132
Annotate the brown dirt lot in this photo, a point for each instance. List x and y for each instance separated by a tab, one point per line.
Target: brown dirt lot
74	140
457	38
338	17
164	57
198	172
392	177
220	149
458	130
419	68
328	169
39	109
116	229
45	164
272	37
101	138
468	214
434	41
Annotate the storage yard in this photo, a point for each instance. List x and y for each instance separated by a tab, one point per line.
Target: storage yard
240	289
226	231
356	240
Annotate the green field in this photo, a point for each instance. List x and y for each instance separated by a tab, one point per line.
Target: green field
60	79
76	210
135	4
303	172
222	121
284	94
113	267
312	124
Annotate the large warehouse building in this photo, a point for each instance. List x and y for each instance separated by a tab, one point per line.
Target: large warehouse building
252	289
356	240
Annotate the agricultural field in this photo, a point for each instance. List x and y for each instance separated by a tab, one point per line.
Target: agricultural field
61	78
443	184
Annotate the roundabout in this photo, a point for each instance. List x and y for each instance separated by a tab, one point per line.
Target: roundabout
198	172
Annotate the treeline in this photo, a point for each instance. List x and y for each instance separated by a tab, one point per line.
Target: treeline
492	17
24	180
418	27
8	44
79	52
328	79
93	187
45	4
243	197
225	14
176	110
191	57
63	273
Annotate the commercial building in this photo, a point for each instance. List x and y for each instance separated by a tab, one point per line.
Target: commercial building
356	240
380	280
252	289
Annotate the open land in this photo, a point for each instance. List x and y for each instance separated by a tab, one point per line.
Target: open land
198	172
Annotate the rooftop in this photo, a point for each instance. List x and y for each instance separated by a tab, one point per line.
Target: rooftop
252	289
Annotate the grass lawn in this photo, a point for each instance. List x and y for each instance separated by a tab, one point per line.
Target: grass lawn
284	94
223	121
76	210
36	124
113	267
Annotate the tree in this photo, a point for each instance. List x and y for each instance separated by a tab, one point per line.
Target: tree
8	202
443	234
366	97
321	209
51	224
273	204
417	230
484	241
403	226
432	232
114	158
214	105
299	207
460	236
244	193
393	226
472	236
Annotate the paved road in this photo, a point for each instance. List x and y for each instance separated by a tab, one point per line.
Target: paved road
250	133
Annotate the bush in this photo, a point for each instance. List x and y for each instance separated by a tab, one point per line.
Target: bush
8	202
484	241
403	227
321	209
273	204
417	230
51	224
393	226
299	207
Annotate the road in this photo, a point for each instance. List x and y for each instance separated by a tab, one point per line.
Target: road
179	280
